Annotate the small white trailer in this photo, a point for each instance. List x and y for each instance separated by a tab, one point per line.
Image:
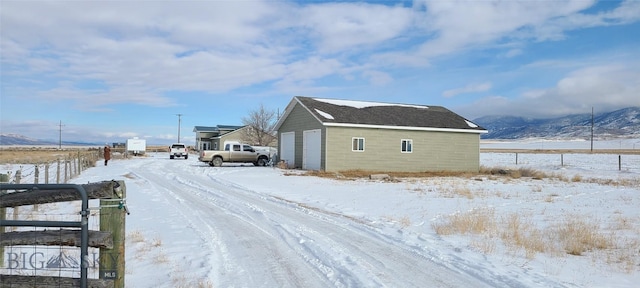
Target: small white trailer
136	146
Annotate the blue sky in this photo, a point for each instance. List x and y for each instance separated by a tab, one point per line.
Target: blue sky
112	70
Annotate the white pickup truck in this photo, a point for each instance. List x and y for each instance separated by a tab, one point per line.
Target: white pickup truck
234	152
178	150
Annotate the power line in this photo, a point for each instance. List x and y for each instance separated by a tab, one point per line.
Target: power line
60	135
179	123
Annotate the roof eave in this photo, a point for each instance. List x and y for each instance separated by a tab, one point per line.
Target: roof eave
332	124
287	111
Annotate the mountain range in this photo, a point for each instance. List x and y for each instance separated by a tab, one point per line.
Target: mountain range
623	123
17	139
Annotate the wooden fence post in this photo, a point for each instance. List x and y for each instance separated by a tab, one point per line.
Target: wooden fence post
36	180
36	174
76	163
66	170
58	173
112	218
4	178
17	178
46	173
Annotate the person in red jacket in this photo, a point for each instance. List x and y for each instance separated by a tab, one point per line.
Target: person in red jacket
107	154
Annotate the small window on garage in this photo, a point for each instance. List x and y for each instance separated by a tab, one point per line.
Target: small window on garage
357	144
406	146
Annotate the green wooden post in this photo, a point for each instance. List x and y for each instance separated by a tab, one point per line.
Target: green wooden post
112	219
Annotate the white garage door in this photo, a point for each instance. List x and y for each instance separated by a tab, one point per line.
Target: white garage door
311	149
288	148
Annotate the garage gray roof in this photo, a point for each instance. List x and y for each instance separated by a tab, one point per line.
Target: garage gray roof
335	112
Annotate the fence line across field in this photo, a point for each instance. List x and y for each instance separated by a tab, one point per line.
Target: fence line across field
627	162
51	172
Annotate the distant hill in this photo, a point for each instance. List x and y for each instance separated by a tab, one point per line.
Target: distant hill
16	139
620	123
623	123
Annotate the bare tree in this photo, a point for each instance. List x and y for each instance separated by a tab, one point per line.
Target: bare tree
261	124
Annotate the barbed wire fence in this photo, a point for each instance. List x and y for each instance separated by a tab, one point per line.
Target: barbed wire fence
58	171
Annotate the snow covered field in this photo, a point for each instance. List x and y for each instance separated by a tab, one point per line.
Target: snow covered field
192	225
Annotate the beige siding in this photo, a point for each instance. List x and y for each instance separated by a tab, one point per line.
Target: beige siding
432	151
300	120
235	135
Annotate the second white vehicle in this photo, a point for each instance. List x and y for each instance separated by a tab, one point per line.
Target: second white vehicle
178	150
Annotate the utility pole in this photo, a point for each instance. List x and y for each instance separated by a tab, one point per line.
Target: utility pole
591	128
179	122
60	135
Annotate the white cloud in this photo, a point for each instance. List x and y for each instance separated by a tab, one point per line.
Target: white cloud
513	53
341	26
471	88
605	87
377	78
456	26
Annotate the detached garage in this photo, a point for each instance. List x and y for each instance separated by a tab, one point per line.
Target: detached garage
339	135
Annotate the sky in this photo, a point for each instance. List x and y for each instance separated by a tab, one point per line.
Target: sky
107	71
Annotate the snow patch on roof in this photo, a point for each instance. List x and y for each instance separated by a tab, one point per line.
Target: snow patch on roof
324	114
364	104
472	125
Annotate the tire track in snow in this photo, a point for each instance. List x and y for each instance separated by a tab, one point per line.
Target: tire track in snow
239	246
258	240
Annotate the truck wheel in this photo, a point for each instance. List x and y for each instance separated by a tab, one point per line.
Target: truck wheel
217	161
262	161
170	156
186	157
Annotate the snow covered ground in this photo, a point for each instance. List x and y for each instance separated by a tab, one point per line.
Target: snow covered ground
192	225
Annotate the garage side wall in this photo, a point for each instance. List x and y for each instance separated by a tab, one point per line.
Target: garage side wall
432	151
300	120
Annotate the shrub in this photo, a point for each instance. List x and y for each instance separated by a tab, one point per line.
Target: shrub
475	221
577	237
524	234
